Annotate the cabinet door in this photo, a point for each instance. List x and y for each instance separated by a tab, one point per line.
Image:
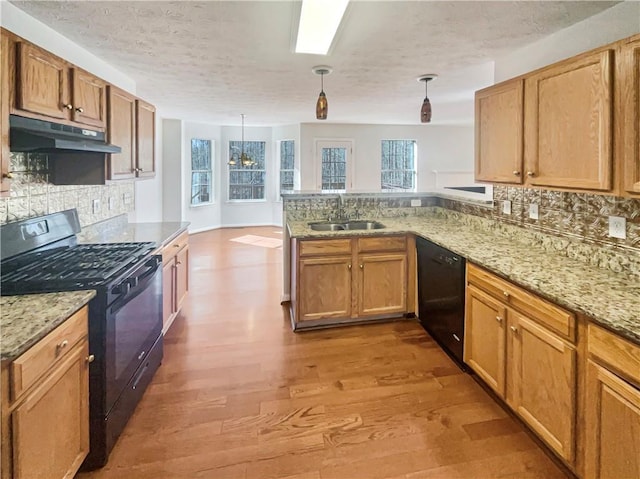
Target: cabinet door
499	132
51	426
628	111
544	376
89	99
382	285
324	288
568	124
484	338
612	426
121	128
5	51
168	297
145	139
182	276
42	82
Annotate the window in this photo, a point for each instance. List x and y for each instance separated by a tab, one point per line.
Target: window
247	182
334	169
287	155
399	164
201	172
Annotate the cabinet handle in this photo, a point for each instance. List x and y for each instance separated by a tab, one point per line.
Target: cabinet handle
80	109
514	329
7	175
499	319
531	174
349	266
516	173
91	358
68	106
178	262
506	294
176	246
61	346
361	266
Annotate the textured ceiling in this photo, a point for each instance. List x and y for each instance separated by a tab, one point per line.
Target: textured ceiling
211	61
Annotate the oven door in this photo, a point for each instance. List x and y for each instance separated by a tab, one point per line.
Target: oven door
134	322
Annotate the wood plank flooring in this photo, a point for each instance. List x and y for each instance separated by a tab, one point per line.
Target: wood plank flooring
240	396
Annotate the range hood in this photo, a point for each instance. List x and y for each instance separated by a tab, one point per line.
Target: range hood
37	136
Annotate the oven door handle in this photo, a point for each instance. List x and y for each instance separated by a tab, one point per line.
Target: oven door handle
137	284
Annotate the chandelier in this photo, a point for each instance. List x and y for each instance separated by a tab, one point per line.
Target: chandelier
240	157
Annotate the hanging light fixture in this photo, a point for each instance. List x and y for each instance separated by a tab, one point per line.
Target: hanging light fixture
242	158
322	105
425	111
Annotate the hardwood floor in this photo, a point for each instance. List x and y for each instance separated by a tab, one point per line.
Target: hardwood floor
239	395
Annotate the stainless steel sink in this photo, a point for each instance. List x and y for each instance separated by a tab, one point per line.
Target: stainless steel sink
345	225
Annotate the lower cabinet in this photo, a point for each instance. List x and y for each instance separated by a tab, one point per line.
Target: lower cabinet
612	419
512	343
175	278
46	424
349	279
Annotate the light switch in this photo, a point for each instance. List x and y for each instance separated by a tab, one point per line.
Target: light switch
96	206
618	227
533	211
506	207
416	202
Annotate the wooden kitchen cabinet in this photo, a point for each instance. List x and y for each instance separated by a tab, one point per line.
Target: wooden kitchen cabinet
175	278
5	160
568	123
145	140
519	345
346	280
612	418
45	407
499	125
121	131
628	113
48	86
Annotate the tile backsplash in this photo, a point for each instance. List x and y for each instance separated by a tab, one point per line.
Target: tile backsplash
32	195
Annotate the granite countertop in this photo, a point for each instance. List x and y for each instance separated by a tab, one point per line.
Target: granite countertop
609	299
122	232
26	319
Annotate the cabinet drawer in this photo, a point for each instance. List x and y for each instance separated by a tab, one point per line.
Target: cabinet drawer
169	251
322	247
553	317
622	355
26	369
382	243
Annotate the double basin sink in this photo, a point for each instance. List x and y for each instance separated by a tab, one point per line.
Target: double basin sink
345	225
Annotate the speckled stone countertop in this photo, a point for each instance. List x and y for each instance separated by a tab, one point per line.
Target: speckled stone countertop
122	232
26	319
610	299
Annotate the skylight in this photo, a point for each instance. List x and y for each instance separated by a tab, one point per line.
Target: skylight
319	21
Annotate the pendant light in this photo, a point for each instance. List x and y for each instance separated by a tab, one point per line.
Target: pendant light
425	111
243	159
322	105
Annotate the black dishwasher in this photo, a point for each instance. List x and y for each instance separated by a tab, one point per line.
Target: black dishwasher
441	278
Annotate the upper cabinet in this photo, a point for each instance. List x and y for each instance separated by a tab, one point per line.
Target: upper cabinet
568	124
628	110
499	132
121	131
5	175
145	139
47	85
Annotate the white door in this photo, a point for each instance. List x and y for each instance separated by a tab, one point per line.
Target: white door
333	160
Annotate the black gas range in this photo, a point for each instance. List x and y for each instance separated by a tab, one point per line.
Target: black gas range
125	318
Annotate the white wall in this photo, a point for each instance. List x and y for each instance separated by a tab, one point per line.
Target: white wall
148	192
620	21
448	148
172	158
279	133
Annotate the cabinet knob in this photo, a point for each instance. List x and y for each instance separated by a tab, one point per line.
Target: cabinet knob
514	329
68	106
91	358
61	346
176	246
499	319
80	109
349	266
516	173
361	266
178	262
8	175
531	174
506	294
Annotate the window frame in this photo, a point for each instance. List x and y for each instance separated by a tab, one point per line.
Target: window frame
210	171
231	168
349	145
280	170
414	171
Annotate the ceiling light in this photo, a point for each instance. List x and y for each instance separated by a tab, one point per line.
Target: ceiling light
425	111
319	21
240	158
322	105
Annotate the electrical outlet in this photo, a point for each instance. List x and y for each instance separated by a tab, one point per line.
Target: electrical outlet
111	203
618	227
506	207
416	202
533	211
126	198
96	206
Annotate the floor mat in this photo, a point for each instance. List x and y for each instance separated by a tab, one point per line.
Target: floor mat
263	241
